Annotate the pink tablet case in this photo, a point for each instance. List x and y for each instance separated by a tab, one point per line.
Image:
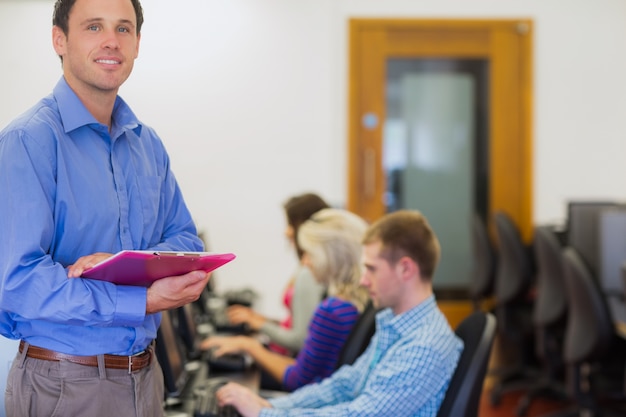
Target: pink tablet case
142	268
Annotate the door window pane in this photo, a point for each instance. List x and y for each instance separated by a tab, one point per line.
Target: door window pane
434	152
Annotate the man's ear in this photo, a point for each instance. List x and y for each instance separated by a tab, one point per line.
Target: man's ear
408	267
59	41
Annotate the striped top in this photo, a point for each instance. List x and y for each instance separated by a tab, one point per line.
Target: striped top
328	330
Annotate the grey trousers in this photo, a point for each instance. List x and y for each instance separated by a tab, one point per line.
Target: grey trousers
40	388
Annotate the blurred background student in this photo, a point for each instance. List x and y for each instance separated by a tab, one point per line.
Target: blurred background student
302	293
331	245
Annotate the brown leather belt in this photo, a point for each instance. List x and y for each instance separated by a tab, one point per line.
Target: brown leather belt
132	363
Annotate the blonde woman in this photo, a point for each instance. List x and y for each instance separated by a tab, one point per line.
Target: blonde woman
331	242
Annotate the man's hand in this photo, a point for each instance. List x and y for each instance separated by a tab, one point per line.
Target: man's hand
245	401
85	262
173	292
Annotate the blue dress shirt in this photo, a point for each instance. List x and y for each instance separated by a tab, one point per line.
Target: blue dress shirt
405	371
71	188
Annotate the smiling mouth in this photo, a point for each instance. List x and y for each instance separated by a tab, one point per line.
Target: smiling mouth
107	61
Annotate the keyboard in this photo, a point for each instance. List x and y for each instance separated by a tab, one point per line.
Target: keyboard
225	326
230	362
206	404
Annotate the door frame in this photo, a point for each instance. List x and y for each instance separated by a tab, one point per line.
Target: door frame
505	43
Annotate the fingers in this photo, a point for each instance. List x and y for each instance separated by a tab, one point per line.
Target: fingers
238	314
223	345
85	262
173	292
244	400
210	342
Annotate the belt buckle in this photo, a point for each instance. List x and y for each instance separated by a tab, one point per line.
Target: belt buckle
130	360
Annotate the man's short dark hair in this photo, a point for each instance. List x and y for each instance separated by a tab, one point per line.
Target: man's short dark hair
406	233
62	10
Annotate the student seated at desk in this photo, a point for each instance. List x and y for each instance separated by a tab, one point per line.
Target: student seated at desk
332	250
406	369
302	293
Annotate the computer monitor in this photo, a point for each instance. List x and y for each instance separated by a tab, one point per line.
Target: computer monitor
583	230
185	324
612	250
171	357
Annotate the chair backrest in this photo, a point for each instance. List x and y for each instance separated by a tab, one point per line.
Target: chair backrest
551	302
359	337
589	330
482	280
463	395
515	266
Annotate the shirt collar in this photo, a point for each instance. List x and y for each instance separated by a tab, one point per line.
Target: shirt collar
74	114
407	320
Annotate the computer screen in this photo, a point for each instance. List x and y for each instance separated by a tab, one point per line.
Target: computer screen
583	230
612	250
171	357
185	324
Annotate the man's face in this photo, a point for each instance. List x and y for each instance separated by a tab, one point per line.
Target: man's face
381	279
100	47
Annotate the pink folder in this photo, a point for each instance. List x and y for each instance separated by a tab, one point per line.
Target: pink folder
142	268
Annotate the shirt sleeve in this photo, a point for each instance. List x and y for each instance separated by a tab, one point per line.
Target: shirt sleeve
27	175
341	386
403	383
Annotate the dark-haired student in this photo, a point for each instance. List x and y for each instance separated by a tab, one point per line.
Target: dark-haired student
406	369
81	178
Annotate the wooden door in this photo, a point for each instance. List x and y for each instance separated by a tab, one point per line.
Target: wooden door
505	44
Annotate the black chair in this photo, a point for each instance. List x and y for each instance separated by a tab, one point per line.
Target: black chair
549	318
463	395
483	275
593	353
359	337
513	310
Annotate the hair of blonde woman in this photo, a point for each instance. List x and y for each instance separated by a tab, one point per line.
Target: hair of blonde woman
332	240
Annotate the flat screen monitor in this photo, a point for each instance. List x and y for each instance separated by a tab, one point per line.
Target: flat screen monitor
185	325
612	250
171	357
583	229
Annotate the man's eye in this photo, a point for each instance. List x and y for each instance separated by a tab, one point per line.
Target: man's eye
123	30
93	28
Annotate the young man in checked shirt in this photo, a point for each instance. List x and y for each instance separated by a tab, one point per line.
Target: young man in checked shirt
407	367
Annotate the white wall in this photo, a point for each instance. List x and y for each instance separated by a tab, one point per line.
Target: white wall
250	97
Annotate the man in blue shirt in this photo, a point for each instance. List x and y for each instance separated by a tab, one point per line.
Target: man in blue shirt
82	178
406	369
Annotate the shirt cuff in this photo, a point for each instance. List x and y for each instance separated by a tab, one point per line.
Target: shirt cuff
130	308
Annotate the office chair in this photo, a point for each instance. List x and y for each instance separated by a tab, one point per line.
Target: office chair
483	275
513	310
359	337
463	395
549	319
592	352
